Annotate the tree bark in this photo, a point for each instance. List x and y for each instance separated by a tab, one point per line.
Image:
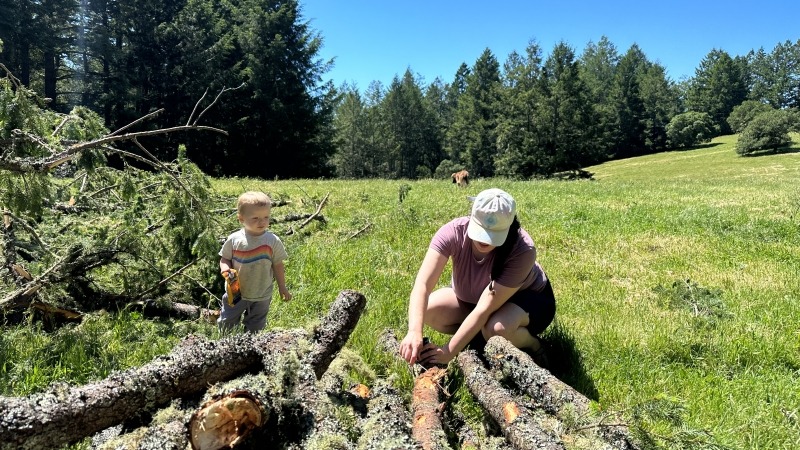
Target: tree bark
549	393
427	404
387	423
64	415
519	426
334	331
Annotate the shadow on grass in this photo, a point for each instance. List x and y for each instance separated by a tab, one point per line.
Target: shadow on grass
773	151
565	361
695	147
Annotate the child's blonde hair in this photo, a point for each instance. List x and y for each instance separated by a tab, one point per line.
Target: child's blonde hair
252	198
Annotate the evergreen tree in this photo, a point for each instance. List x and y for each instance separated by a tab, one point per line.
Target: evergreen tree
660	99
453	142
629	107
518	145
352	159
566	116
719	84
598	65
473	131
776	76
413	131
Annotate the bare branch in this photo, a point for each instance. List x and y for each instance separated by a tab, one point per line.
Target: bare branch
27	228
167	170
215	101
165	280
140	119
188	122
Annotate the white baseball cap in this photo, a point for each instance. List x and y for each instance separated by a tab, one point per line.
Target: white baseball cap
493	212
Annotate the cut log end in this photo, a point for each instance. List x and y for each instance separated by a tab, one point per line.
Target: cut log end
223	422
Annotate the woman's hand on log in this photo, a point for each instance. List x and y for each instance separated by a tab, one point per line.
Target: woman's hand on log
433	355
411	346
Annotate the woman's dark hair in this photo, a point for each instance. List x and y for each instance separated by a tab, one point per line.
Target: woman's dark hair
504	250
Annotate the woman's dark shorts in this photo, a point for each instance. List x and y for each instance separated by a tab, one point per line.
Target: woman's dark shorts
540	306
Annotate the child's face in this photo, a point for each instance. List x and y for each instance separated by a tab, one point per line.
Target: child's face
255	219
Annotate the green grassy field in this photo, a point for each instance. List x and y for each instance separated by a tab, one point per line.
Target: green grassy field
677	277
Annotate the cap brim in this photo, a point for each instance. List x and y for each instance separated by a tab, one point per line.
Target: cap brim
480	234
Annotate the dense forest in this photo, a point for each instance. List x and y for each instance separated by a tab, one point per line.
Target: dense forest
534	114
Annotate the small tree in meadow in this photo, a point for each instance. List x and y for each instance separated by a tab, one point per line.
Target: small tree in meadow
767	131
743	114
690	128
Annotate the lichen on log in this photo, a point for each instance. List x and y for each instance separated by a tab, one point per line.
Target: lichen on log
551	394
388	422
518	424
334	331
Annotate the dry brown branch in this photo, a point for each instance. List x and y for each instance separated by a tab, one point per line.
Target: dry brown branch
28	165
212	103
139	120
24	224
166	170
313	216
363	229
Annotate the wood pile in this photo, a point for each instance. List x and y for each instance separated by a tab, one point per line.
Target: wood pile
279	390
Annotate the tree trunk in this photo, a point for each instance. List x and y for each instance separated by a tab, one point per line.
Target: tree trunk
64	415
331	335
427	404
549	393
387	423
519	426
546	391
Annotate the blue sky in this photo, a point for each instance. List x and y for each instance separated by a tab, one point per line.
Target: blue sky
374	40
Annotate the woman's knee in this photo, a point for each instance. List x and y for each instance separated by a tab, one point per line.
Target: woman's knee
495	328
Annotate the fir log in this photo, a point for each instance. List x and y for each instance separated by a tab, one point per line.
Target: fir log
548	392
468	438
64	415
427	400
519	426
334	331
387	425
230	412
427	404
209	429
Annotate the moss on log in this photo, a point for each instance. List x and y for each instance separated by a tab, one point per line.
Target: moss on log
520	427
388	422
553	395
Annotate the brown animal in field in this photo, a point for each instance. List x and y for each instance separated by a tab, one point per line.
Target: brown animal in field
461	178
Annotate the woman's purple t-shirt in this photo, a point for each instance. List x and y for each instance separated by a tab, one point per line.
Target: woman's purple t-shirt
470	277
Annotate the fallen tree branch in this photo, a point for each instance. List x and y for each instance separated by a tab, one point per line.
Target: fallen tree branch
551	394
519	426
334	331
387	422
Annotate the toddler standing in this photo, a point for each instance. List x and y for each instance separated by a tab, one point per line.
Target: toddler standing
250	259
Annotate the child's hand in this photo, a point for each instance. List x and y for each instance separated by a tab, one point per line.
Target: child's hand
285	294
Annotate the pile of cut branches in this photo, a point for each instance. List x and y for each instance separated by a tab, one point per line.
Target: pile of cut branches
79	235
275	390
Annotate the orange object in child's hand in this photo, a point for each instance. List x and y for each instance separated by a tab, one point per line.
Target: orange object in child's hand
232	286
